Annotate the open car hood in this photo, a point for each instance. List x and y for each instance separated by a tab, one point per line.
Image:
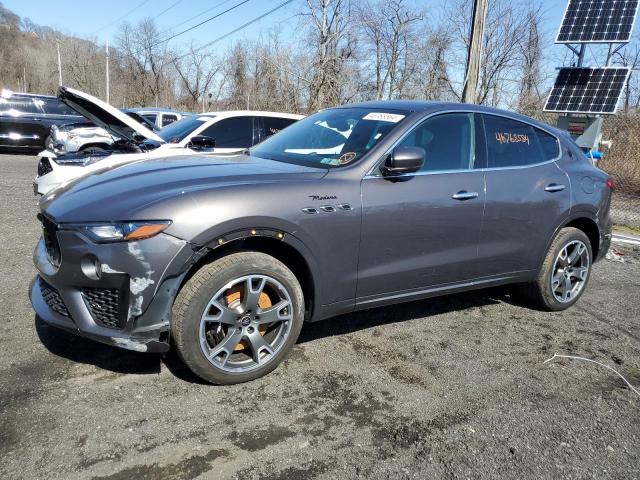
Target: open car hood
104	115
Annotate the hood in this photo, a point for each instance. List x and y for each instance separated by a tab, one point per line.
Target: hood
131	191
104	115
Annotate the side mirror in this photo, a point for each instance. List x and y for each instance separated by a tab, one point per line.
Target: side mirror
404	160
201	142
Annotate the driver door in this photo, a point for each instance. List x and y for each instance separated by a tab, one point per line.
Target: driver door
421	231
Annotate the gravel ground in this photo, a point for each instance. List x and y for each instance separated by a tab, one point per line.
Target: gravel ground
447	388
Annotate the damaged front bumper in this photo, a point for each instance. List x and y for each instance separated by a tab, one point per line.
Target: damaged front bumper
116	293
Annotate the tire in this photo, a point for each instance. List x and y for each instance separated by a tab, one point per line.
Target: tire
94	150
206	295
548	295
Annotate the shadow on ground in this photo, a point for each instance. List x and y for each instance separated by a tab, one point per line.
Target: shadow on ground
106	357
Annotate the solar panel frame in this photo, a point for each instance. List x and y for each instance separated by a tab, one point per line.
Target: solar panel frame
578	94
615	36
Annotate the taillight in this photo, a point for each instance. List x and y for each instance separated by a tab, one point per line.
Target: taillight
610	183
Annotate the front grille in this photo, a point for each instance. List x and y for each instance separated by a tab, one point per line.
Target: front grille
50	237
104	305
44	167
53	299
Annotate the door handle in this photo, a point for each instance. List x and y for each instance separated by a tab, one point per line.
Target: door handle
464	195
554	187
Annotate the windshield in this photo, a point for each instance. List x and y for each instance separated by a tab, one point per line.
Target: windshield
177	131
331	138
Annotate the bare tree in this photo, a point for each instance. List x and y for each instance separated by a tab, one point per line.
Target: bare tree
531	58
328	22
504	29
144	56
629	56
390	32
198	73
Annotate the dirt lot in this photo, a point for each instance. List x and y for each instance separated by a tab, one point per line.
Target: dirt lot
448	388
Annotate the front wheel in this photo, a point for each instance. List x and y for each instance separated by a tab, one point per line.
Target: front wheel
237	317
564	273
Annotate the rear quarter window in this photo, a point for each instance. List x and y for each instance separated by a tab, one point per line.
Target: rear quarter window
548	144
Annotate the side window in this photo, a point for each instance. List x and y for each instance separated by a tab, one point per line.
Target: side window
511	143
548	144
53	106
150	116
232	132
18	105
168	118
272	125
448	141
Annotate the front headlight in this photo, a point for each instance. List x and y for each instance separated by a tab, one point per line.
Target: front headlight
119	232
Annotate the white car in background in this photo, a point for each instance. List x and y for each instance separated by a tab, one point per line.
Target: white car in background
214	132
85	136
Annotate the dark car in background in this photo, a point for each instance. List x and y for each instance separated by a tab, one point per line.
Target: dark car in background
26	120
348	209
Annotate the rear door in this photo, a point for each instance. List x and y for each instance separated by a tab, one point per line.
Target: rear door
528	196
421	230
231	134
267	126
21	125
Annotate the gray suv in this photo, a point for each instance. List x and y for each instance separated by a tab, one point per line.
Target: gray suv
354	207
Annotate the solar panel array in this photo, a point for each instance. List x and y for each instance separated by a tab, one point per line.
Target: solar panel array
598	21
587	90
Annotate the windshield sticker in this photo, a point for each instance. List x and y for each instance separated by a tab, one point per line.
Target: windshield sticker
347	158
330	161
508	137
383	117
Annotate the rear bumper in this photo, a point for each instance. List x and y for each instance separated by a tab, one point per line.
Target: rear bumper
127	305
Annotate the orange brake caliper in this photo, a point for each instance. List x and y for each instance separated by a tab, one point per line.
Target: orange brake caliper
234	295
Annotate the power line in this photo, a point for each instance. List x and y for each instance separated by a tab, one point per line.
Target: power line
168	8
241	27
202	23
123	16
197	16
164	40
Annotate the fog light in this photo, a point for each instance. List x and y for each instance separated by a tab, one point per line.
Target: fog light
91	267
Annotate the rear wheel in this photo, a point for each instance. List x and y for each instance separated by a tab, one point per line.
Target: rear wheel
237	317
564	273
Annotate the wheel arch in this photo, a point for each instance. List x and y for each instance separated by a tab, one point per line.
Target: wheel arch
590	228
282	246
102	145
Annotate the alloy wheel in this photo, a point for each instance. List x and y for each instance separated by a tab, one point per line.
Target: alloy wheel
570	271
246	323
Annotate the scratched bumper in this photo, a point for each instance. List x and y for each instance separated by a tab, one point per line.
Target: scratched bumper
117	293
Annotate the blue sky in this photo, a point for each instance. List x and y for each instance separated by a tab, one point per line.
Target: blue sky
100	20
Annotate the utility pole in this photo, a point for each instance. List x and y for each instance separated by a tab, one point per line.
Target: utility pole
107	71
475	49
59	64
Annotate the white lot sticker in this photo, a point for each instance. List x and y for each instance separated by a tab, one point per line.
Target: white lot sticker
384	117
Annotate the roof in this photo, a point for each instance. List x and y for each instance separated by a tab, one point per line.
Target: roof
150	110
429	106
5	93
244	113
